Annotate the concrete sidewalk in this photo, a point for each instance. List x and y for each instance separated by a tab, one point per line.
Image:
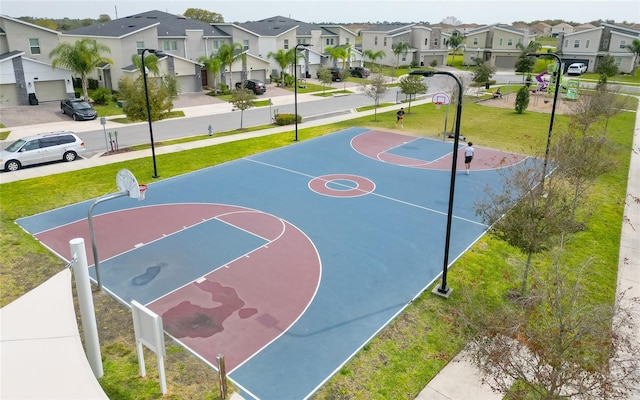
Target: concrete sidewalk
458	380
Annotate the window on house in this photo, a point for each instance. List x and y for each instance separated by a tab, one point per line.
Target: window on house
605	44
586	44
500	41
520	41
216	45
404	57
617	61
426	41
347	40
286	44
566	43
509	42
34	46
576	44
170	45
435	42
140	47
623	44
475	41
385	42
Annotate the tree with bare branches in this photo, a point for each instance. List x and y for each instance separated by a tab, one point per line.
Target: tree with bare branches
557	343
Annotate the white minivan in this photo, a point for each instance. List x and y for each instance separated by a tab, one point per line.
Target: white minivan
38	149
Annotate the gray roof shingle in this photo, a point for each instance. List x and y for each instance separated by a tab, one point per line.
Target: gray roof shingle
169	25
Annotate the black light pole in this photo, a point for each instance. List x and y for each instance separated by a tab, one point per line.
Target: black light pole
295	89
553	110
443	289
146	96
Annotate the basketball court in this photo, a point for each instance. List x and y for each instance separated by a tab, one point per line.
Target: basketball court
289	261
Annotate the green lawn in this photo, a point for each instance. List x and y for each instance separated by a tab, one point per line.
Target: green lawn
399	362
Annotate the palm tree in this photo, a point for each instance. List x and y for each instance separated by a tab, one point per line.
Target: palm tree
283	59
523	63
226	54
455	43
373	56
634	47
399	48
213	65
150	62
81	57
336	53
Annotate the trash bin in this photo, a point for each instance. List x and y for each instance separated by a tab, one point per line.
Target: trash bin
487	85
33	100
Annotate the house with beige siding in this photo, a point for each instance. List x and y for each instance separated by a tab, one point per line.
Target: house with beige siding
25	67
497	45
427	44
589	46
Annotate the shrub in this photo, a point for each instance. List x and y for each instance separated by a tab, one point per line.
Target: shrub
93	84
434	63
286	119
522	100
101	96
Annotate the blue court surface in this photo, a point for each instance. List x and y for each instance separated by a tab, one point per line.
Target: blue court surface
297	257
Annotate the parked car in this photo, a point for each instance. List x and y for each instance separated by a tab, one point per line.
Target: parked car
78	109
256	86
38	149
336	74
359	72
577	69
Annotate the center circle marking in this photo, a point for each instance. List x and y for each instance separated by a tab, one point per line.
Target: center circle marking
342	185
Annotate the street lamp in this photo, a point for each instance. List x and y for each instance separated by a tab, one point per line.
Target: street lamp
295	89
443	289
553	110
146	96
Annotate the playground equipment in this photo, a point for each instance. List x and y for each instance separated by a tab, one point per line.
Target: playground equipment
543	84
572	89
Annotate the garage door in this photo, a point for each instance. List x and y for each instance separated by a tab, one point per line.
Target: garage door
505	62
50	90
258	74
9	95
186	83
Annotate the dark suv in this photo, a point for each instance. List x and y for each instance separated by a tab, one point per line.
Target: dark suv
359	72
336	74
254	85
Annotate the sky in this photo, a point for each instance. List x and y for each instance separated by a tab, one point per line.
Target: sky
343	11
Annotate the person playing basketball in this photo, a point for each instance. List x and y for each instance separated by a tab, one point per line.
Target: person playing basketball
468	156
400	117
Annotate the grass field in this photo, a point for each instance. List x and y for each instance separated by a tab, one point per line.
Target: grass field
406	355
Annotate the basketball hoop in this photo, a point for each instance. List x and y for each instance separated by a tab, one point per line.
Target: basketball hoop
438	104
128	184
142	189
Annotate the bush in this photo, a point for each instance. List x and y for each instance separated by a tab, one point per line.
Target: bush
101	96
93	84
286	119
522	100
434	63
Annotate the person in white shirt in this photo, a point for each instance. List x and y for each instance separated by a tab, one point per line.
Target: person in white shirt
468	156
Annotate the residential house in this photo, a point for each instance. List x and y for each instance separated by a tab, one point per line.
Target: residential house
26	72
589	46
541	29
181	40
427	44
562	27
583	27
496	45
